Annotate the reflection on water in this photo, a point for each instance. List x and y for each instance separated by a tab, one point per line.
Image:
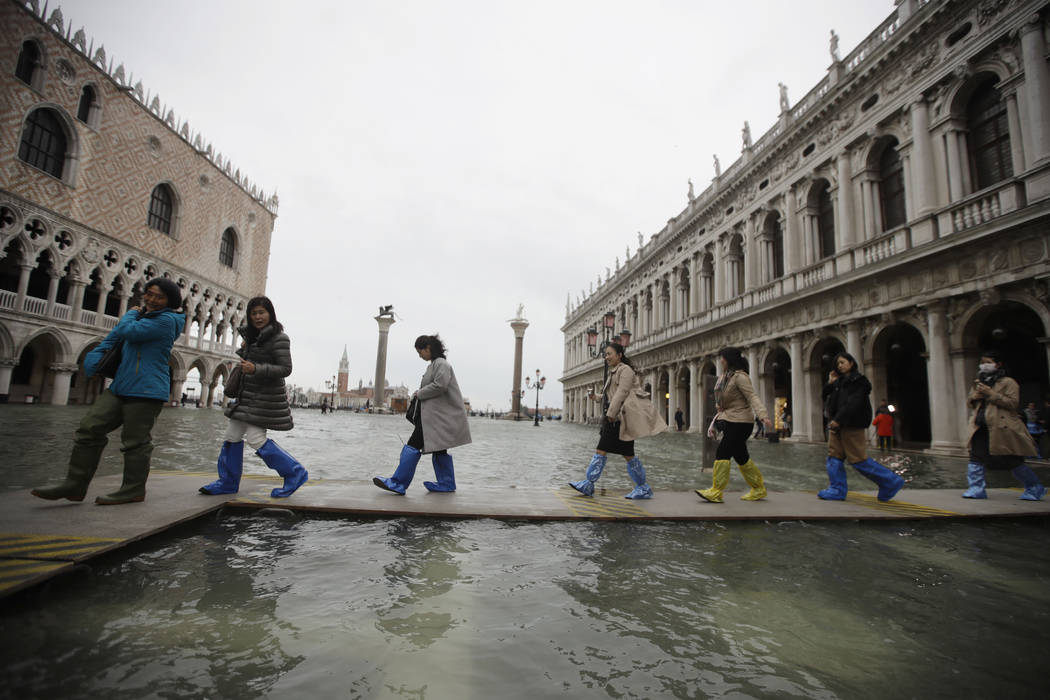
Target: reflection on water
245	606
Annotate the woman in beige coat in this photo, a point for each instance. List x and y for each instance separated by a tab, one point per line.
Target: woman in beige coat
998	437
627	415
738	407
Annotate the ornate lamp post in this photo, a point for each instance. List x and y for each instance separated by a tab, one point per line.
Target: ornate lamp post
331	387
538	384
608	323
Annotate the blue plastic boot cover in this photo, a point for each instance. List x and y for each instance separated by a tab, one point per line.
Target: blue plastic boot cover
838	486
446	476
1033	490
594	470
636	471
888	482
230	465
975	481
406	470
285	465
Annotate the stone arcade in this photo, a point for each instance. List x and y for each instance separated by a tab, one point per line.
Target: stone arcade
899	210
101	189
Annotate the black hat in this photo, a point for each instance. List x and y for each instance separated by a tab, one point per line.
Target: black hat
170	289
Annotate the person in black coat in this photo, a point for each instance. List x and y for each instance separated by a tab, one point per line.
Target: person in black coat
848	405
261	404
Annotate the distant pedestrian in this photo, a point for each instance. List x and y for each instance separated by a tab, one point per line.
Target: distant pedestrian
626	416
1034	423
133	400
679	419
998	438
883	423
737	407
261	404
439	419
848	407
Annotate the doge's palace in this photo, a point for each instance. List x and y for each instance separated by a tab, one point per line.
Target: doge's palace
102	187
899	210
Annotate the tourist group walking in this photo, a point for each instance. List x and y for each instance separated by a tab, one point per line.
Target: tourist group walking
136	354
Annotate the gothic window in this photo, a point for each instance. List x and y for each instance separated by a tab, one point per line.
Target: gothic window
825	221
44	142
161	208
227	247
88	107
28	62
891	188
989	138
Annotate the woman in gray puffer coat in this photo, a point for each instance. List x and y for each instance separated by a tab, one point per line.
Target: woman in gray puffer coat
261	404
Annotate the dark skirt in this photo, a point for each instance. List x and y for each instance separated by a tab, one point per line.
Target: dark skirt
609	440
980	452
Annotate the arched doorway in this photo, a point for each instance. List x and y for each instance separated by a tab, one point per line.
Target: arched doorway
776	385
32	375
900	360
682	395
821	362
1013	330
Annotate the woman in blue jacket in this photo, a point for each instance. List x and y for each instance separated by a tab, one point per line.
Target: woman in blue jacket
133	400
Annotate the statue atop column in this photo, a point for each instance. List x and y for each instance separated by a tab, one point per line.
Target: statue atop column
691	195
745	135
785	105
718	166
833	47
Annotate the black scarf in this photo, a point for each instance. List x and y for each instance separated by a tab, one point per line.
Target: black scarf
990	378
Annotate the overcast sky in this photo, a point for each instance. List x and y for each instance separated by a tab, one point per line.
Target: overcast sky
455	159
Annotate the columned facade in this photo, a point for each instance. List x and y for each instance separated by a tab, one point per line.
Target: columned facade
900	212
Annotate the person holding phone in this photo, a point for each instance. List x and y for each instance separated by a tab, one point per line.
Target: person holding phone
133	400
261	404
998	437
848	405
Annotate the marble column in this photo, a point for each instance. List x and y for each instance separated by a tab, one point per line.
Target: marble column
853	343
76	299
178	383
672	400
943	402
922	178
799	397
1037	89
955	167
100	307
720	274
24	271
675	297
694	283
384	323
6	366
52	293
792	246
1013	119
844	226
694	397
518	325
61	375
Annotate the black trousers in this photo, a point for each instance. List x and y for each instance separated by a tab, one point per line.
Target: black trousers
416	439
734	442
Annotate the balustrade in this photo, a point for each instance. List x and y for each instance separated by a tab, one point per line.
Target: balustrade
87	317
32	305
982	207
7	299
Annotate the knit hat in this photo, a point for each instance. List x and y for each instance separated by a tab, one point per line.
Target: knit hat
170	289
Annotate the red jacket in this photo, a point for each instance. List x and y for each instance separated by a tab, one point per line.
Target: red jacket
883	425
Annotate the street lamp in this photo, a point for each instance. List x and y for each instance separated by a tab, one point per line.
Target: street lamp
538	384
608	323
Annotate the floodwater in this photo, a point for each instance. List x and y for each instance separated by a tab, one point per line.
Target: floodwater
244	605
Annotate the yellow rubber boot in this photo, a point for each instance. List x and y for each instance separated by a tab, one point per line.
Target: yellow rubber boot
753	477
721	480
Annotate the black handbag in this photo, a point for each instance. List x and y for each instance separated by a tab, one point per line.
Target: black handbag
413	411
110	362
232	386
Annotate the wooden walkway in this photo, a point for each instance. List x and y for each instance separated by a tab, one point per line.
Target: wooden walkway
41	539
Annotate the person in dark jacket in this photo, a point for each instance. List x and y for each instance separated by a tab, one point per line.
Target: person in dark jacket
133	400
261	404
848	404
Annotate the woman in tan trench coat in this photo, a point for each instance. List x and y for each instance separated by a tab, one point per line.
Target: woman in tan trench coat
998	437
627	415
